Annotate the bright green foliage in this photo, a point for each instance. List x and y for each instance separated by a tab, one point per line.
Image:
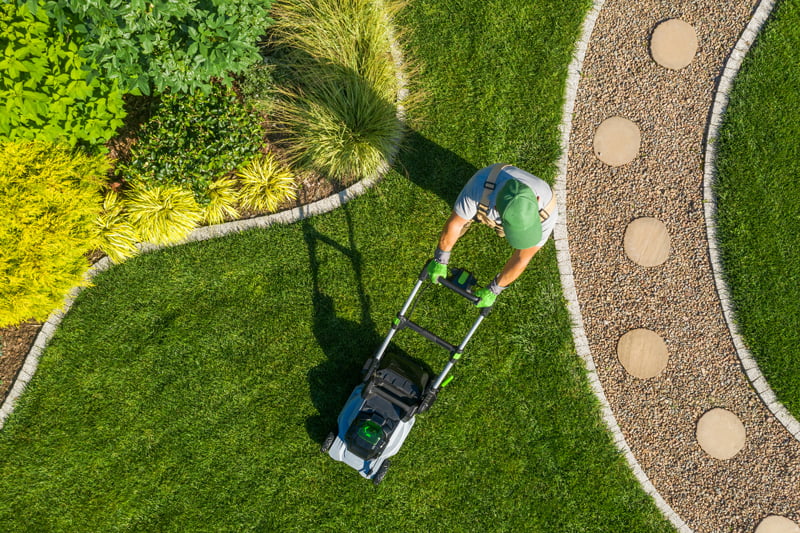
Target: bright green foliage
223	195
49	198
340	113
193	140
265	184
114	233
162	215
46	91
177	45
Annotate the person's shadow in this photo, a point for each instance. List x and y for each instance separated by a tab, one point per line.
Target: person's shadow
432	167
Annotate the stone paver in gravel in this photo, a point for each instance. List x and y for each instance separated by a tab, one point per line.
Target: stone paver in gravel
658	417
617	141
673	44
721	434
646	242
643	353
777	524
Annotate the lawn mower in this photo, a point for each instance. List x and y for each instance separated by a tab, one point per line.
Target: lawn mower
381	410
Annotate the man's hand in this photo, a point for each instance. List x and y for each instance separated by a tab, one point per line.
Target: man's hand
487	297
436	270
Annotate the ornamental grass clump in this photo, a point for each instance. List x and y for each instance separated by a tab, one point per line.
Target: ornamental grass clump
114	233
224	197
49	199
338	113
265	183
162	214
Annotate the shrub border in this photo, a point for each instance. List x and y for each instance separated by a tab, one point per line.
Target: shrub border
296	214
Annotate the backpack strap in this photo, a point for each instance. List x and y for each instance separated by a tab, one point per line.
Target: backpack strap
488	187
544	213
483	206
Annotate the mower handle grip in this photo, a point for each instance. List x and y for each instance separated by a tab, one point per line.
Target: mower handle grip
449	284
458	290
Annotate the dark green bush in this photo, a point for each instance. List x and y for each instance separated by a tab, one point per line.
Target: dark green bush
193	140
47	93
178	45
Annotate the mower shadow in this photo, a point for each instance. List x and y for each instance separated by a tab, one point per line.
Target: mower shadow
346	343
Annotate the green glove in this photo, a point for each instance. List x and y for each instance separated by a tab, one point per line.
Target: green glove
436	270
487	297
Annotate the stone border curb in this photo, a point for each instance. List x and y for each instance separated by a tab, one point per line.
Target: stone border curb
290	216
568	282
749	364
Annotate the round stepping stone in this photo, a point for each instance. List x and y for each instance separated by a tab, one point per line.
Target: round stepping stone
720	433
616	141
643	353
647	242
673	44
777	524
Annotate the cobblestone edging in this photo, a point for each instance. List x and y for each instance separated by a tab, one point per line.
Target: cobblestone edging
210	232
720	104
568	282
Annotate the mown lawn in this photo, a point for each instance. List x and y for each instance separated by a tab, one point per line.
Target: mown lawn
759	201
190	388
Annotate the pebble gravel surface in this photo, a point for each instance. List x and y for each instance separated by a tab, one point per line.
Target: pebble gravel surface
677	299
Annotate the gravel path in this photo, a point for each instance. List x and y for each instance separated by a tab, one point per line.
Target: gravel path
677	300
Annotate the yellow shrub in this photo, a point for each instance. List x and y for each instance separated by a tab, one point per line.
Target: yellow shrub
49	198
115	235
223	201
162	215
265	184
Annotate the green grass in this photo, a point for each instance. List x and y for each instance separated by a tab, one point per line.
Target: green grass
190	388
759	202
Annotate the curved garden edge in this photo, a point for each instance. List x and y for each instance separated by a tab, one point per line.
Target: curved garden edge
568	281
296	214
749	364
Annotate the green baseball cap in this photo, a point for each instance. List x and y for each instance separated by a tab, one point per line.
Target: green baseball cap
519	211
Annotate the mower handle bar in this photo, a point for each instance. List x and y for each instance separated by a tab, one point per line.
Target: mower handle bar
450	285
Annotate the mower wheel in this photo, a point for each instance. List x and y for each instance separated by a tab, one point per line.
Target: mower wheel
381	473
328	442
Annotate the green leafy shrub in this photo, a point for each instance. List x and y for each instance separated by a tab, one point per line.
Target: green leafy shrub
114	233
48	93
258	87
177	45
49	199
265	183
192	140
162	215
339	113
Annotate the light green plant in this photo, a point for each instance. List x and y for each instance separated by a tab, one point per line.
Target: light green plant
224	197
339	111
162	214
350	34
49	198
46	87
265	183
343	130
114	233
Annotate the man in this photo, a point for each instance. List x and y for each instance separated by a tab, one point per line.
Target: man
517	205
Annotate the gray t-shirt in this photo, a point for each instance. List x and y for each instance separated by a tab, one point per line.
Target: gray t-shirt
466	205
